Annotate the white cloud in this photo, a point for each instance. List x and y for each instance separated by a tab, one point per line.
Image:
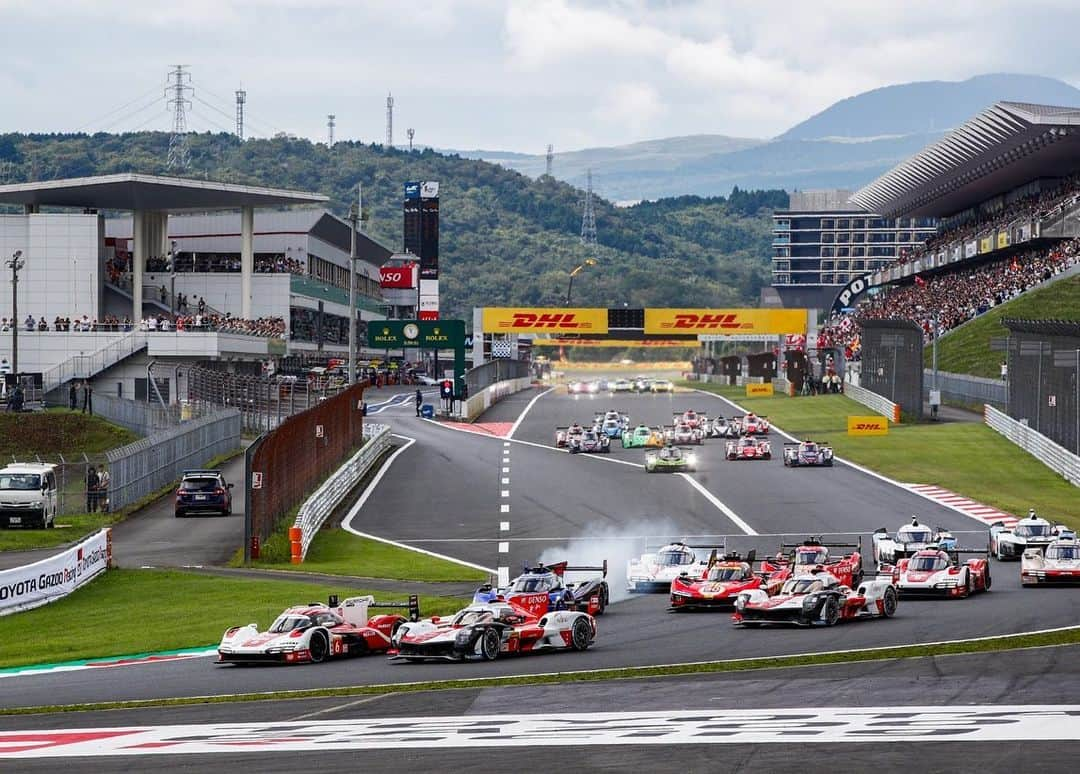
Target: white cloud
636	105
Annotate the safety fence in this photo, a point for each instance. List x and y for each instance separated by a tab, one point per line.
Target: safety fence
75	491
152	463
493	372
1055	457
965	389
52	578
290	461
317	508
873	401
477	403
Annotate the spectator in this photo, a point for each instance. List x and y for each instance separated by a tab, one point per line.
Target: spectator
419	401
1004	370
72	395
29	322
164	293
42	325
104	479
92	482
87	398
202	305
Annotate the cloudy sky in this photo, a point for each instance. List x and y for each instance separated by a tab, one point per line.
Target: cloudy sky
508	75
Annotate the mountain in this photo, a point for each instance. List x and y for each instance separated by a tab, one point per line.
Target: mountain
845	146
504	237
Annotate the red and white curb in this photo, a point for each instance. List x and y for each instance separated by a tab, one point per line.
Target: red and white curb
984	513
495	429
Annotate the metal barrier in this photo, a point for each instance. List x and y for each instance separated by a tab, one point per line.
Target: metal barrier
145	466
73	495
143	418
317	508
493	372
1055	457
479	402
873	401
973	390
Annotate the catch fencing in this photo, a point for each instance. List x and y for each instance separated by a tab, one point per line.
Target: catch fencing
1055	457
493	372
966	389
73	496
152	463
892	363
317	508
288	462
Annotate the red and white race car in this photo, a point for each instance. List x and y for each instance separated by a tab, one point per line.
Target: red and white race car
1059	562
682	433
717	588
934	571
752	424
748	448
817	599
690	417
801	558
486	631
563	435
314	633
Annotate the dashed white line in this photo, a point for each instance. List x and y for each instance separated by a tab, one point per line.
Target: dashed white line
504	509
504	493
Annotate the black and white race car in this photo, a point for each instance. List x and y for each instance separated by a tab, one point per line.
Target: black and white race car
1030	532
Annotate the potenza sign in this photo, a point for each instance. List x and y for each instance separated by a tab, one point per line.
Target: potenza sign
728	321
544	320
23	588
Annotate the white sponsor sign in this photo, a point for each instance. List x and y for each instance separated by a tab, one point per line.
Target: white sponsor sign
429	190
429	303
23	588
971	248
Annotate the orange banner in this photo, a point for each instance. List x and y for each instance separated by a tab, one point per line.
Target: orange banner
729	321
544	320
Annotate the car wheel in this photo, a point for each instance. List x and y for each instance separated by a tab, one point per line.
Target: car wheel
987	582
580	634
830	613
489	644
888	603
319	647
969	584
603	601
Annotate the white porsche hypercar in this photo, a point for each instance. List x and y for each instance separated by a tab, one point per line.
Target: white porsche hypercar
655	570
1059	562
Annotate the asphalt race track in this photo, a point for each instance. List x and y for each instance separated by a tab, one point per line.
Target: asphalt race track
445	494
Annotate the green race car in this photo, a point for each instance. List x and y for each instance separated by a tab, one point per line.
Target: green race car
670	459
642	436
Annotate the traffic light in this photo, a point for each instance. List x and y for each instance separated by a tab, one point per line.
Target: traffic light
446	389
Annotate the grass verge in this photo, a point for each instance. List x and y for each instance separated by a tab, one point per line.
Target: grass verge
59	431
967	457
175	610
1069	636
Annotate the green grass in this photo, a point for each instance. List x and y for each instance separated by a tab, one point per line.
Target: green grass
967	350
969	458
138	611
59	431
337	552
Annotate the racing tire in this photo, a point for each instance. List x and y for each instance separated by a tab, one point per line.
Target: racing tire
319	647
987	580
827	463
603	601
766	456
489	644
969	588
830	612
580	634
888	603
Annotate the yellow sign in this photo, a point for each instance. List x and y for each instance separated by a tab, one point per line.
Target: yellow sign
755	390
875	425
1003	239
612	343
729	321
507	320
984	245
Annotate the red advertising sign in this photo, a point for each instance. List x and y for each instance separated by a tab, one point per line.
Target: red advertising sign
428	315
396	277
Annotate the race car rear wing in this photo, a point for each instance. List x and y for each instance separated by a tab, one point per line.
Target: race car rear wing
362	604
817	541
731	556
560	568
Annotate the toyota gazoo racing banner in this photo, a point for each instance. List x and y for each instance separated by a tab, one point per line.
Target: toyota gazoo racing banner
733	321
397	277
33	585
545	320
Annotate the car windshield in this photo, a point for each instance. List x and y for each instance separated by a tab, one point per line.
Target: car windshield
1032	530
928	563
802	586
913	535
809	447
590	436
674	558
327	619
611	423
747	442
1063	552
728	573
20	482
199	484
811	556
470	617
690	416
672	453
532	583
287	622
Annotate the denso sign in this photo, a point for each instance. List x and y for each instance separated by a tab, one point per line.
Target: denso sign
396	277
505	320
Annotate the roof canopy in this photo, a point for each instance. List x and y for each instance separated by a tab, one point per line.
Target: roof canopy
149	192
1005	146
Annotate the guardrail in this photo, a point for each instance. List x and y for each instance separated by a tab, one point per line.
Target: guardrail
1050	454
477	404
873	401
317	509
53	578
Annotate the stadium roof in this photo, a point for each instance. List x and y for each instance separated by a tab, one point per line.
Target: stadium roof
149	192
1007	145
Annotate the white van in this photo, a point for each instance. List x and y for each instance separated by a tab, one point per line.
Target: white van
28	495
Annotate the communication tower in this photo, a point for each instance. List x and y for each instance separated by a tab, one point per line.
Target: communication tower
389	120
177	93
330	130
588	219
241	98
410	131
550	158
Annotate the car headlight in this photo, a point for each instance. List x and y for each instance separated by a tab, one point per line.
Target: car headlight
679	594
463	636
37	504
281	648
741	600
810	601
691	459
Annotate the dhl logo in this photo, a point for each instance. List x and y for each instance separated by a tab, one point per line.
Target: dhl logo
565	320
869	426
708	322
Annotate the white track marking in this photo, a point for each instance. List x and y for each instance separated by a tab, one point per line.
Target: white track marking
504	509
521	416
746	528
338	708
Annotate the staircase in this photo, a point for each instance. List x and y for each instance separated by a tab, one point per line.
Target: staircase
88	366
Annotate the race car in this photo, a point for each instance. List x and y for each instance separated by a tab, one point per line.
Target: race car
590	442
613	423
643	436
689	417
889	549
1059	562
752	424
662	385
807	454
933	571
655	570
563	435
313	633
543	588
800	558
642	384
622	385
817	598
576	387
486	631
1029	532
670	459
683	433
748	448
718	427
724	578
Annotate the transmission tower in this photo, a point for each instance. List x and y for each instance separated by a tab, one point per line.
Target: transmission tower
389	120
410	131
330	130
177	92
588	219
550	158
241	98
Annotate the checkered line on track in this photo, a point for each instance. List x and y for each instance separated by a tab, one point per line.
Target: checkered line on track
980	511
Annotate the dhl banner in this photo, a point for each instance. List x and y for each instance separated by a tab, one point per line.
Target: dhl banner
758	390
731	321
507	320
615	343
874	425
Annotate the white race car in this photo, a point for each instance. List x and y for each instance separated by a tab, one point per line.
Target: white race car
1059	562
816	599
655	570
682	433
889	549
719	427
1029	532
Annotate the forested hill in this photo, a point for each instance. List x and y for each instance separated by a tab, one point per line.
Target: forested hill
505	238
